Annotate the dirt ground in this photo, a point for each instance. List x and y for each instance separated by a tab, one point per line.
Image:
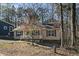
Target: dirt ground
23	48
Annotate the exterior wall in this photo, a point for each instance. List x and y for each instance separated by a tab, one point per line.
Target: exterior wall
5	32
57	37
58	34
45	37
42	35
18	35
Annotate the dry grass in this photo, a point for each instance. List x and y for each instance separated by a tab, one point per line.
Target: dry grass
26	49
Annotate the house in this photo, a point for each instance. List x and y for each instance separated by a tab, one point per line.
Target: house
6	29
50	31
45	32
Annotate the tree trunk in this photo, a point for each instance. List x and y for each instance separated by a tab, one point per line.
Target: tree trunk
62	29
73	23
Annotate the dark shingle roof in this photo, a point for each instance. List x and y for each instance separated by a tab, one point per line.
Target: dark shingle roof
7	22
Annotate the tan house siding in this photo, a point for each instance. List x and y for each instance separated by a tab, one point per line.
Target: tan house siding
43	35
57	37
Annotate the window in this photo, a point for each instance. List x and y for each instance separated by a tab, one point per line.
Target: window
35	32
5	28
51	32
19	33
10	28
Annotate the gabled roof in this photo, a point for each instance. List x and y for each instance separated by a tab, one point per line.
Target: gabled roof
7	22
44	26
29	27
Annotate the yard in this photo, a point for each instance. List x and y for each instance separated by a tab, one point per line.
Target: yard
24	48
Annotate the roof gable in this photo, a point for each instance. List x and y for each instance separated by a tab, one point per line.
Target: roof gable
7	22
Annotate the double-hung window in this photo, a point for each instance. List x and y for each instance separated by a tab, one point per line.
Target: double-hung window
51	32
